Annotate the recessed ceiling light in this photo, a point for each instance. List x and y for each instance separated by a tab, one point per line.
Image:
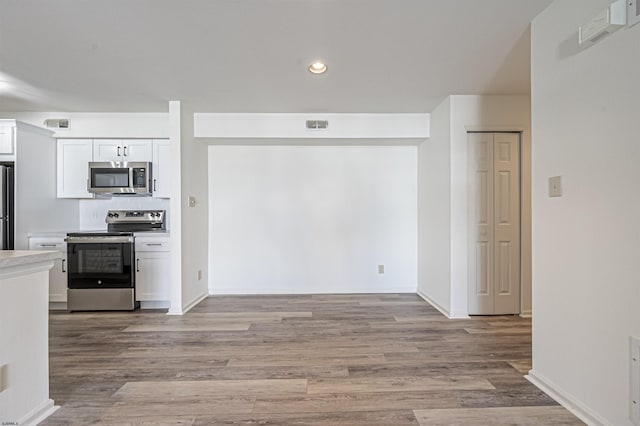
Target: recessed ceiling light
317	68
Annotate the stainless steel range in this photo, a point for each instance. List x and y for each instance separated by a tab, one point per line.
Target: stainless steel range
101	274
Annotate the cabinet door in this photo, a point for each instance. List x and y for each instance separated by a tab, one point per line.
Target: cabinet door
74	156
107	150
161	168
136	150
57	274
58	281
152	276
7	137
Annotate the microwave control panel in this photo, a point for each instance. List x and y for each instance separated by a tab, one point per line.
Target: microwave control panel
139	177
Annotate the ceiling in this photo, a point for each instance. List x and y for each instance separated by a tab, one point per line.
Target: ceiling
252	55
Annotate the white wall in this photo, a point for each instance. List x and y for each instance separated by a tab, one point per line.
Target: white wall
341	126
175	203
586	247
101	125
485	113
434	212
312	219
194	220
443	178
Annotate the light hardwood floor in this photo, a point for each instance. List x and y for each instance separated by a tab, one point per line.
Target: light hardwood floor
295	360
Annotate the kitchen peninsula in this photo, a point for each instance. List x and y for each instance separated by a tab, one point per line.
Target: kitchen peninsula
24	333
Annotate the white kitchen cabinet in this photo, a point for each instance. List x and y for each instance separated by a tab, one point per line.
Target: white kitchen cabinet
161	168
7	140
122	150
152	269
74	156
57	274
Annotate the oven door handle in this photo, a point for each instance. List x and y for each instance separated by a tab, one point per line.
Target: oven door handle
94	240
137	265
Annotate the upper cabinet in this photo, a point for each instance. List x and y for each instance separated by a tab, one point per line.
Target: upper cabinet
122	150
74	156
160	168
7	138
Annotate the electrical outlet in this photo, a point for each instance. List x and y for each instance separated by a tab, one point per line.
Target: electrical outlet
192	201
381	269
555	186
199	274
3	377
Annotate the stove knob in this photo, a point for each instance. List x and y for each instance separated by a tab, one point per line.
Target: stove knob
116	215
110	215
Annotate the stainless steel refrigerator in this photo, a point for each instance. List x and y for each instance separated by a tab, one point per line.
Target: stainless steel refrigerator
6	206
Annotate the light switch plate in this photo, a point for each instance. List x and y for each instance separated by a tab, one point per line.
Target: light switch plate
381	269
555	186
192	201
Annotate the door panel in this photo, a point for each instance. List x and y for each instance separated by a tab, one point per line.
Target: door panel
481	226
503	196
504	268
482	270
507	226
494	206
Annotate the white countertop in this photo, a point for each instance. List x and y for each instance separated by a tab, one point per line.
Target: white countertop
63	234
22	257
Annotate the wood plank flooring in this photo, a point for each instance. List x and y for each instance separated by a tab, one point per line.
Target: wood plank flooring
377	359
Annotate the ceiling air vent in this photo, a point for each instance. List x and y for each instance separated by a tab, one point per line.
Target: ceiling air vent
57	123
317	124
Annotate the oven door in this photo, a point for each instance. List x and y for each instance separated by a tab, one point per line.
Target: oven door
100	262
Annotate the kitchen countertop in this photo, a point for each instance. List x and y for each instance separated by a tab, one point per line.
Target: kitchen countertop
63	234
10	258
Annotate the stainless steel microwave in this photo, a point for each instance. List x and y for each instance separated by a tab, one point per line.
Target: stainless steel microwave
120	178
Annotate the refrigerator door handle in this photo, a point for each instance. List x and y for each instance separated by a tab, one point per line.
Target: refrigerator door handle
4	207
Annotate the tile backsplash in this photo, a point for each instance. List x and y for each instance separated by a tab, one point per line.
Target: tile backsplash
93	212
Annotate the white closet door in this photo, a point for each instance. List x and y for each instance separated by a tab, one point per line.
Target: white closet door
481	300
506	201
494	213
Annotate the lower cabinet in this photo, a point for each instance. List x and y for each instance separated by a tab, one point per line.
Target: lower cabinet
57	274
152	269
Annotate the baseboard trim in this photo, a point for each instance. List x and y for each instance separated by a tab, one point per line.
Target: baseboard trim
155	304
442	310
38	414
190	305
576	408
57	306
526	314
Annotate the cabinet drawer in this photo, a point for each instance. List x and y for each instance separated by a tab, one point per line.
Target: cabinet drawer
152	244
47	244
